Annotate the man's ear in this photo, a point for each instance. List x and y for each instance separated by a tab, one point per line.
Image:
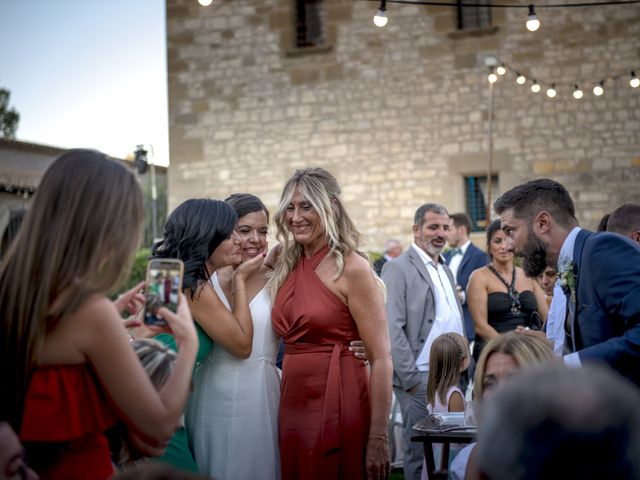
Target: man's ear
415	229
542	222
635	236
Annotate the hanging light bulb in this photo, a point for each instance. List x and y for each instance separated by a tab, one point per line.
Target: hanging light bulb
533	23
521	80
635	81
492	77
577	93
535	88
501	70
380	19
551	91
598	90
205	3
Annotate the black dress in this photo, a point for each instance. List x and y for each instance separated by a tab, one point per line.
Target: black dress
502	317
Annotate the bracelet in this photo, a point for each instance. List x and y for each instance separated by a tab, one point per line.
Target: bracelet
379	437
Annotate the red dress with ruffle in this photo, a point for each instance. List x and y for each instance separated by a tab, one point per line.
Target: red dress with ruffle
65	416
324	407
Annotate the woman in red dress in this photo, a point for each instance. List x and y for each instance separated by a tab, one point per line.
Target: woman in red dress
333	414
67	369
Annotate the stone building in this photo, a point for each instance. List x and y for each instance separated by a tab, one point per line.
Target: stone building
400	114
22	165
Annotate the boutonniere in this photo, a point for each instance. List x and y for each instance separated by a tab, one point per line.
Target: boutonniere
568	280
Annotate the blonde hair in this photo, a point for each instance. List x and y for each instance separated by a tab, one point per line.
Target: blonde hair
448	351
77	240
526	351
322	191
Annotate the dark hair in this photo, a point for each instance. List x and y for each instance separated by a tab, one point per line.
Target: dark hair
77	240
528	199
491	231
246	203
625	219
602	224
192	232
418	218
556	422
462	220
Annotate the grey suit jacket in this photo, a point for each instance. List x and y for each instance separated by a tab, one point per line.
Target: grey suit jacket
411	310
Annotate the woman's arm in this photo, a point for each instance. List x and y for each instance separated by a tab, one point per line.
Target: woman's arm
366	304
233	330
456	402
477	298
154	414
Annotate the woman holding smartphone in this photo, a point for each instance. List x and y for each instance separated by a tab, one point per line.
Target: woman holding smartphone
67	369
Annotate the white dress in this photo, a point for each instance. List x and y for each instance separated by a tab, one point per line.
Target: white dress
232	415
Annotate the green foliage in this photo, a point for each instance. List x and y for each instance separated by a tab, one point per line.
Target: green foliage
139	270
9	118
373	256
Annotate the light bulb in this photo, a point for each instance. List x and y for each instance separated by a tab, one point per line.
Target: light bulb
635	81
533	23
501	70
535	88
577	93
380	19
551	91
598	90
493	78
521	80
205	3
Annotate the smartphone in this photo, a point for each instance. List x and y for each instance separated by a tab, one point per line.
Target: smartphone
164	282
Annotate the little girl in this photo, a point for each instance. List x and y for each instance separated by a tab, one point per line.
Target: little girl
448	358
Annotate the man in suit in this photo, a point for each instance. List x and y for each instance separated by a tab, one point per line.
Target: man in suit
599	273
463	258
421	304
392	249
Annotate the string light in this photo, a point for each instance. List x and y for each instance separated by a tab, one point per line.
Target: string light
635	81
577	93
598	89
380	19
535	87
493	78
501	70
533	23
205	3
551	91
521	79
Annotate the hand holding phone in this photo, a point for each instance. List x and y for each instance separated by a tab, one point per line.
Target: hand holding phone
164	283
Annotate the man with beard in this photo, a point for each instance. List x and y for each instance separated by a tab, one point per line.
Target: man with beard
599	275
421	304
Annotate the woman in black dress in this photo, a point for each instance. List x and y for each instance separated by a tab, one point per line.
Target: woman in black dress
500	296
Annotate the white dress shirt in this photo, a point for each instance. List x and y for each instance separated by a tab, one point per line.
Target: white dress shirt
456	260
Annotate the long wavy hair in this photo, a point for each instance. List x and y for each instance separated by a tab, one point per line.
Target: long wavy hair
448	351
77	240
192	232
322	191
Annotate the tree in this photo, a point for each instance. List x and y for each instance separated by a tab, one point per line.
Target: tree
9	118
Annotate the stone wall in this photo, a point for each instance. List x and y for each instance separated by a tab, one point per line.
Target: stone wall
399	114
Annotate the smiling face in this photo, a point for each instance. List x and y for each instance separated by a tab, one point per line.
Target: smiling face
499	367
523	242
227	253
304	223
432	235
252	229
498	248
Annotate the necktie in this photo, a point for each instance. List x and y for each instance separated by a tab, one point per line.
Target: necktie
455	251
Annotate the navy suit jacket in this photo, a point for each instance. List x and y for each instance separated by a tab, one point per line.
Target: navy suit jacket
607	321
473	259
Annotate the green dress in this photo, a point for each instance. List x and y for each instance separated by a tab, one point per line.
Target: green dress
178	452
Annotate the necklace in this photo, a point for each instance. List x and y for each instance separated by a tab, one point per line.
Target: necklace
511	291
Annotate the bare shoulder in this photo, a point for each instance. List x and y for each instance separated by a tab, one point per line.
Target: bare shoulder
479	275
95	311
356	266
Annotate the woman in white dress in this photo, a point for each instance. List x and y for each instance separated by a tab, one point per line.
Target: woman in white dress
232	415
